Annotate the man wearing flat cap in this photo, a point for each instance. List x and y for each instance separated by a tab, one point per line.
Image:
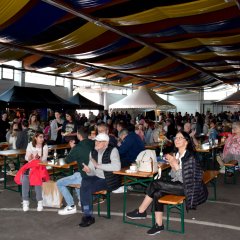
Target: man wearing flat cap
104	159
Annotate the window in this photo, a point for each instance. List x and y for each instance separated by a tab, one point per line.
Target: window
59	81
7	73
40	79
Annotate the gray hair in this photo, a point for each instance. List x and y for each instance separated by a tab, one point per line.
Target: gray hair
123	132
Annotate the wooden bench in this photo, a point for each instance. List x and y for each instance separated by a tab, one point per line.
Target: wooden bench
210	176
177	202
230	167
99	194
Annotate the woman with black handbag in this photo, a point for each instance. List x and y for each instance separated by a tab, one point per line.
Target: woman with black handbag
186	179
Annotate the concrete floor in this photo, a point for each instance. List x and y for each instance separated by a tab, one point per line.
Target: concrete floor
213	220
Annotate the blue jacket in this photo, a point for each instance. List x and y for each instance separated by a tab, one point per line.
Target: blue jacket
131	146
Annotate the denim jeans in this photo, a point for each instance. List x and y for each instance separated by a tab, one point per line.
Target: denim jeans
62	184
26	188
90	184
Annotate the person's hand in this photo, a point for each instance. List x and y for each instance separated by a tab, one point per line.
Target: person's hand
37	156
86	169
33	156
192	134
172	161
95	164
72	143
30	157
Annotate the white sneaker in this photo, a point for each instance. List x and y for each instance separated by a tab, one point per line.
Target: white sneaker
119	190
25	205
12	173
222	170
220	161
40	206
67	210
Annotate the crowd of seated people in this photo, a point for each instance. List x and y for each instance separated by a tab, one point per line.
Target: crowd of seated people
113	141
61	127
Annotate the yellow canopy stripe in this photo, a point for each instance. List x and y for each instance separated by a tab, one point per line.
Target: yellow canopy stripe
195	42
157	66
179	76
178	10
8	8
80	36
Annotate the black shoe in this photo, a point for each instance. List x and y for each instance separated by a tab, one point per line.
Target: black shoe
155	230
87	221
136	214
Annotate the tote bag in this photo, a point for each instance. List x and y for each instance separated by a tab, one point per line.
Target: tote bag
147	161
51	195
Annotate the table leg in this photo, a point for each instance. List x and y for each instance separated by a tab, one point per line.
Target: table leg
124	199
5	176
5	172
134	181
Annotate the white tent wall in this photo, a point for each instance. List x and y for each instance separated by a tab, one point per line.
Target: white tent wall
111	98
190	102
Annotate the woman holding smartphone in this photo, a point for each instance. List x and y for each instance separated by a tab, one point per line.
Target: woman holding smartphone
37	149
186	179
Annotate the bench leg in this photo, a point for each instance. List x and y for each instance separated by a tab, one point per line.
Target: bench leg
180	211
213	183
108	204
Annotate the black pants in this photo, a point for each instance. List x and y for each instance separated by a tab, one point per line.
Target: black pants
159	188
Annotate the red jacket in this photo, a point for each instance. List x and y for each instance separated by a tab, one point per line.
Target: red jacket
37	174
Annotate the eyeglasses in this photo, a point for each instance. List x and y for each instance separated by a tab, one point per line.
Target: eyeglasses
178	138
40	136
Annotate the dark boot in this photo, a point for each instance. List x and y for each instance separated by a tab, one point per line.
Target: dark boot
87	221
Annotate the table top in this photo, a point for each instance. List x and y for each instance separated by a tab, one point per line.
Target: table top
138	173
156	145
152	146
8	153
164	166
4	145
57	165
220	145
58	146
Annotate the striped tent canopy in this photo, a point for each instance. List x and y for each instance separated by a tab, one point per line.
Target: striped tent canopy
165	45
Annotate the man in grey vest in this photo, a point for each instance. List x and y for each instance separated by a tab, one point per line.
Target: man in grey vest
104	159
